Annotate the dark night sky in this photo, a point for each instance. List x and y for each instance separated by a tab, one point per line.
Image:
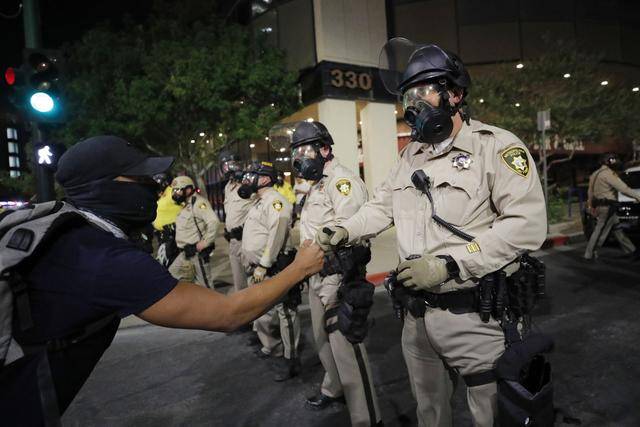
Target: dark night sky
63	21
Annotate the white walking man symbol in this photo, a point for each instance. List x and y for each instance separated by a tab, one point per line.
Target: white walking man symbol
45	155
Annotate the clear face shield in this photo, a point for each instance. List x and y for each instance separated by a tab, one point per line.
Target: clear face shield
302	152
230	166
419	96
250	179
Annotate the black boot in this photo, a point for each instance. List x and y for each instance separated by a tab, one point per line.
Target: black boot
253	340
286	369
322	401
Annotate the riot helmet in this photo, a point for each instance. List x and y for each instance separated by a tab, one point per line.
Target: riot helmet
251	178
612	160
163	180
230	165
424	75
304	139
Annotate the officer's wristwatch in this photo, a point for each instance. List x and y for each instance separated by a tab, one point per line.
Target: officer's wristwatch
452	266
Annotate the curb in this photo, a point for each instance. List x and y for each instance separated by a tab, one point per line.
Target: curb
563	239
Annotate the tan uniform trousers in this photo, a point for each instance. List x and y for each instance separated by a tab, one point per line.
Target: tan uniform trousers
191	270
337	355
604	226
442	345
278	317
237	269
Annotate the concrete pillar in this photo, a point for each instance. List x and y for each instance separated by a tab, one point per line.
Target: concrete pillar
340	119
379	142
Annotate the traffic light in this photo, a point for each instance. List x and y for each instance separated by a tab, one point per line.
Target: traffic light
41	95
14	84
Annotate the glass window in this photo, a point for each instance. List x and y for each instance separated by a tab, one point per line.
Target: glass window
12	133
13	147
14	161
472	12
14	173
632	179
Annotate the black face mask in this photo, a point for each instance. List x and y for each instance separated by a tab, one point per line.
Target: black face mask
429	125
180	198
129	205
310	168
235	175
246	190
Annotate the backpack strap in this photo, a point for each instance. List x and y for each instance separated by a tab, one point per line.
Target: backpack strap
59	344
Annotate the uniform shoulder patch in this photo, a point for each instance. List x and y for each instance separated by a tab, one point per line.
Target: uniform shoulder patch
344	186
516	159
277	205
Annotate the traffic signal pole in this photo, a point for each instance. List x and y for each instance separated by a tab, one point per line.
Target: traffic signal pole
33	40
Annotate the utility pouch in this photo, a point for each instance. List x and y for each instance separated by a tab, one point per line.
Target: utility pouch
525	390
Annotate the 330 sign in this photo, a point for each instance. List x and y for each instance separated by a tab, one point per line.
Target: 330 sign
350	79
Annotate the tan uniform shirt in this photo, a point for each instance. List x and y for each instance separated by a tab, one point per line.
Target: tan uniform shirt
605	183
486	185
235	207
266	229
197	210
333	199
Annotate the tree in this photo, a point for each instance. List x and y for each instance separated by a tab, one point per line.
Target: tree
184	83
582	110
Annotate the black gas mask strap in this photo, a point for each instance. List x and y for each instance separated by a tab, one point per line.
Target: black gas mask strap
422	182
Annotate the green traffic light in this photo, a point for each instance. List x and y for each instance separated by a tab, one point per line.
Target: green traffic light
42	102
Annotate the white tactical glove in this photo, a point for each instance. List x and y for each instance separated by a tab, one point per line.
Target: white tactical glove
423	273
330	237
258	274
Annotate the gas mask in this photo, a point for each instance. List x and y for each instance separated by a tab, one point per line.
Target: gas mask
429	113
231	169
250	185
179	195
308	162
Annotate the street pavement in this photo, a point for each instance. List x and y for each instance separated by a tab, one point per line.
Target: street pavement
157	376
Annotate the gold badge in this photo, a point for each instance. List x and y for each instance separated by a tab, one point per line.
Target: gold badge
344	186
516	159
473	247
277	205
203	206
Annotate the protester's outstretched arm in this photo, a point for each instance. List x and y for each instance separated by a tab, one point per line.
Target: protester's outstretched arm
193	307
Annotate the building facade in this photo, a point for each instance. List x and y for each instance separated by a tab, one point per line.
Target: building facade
334	45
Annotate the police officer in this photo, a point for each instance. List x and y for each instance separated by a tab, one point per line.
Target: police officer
266	241
335	194
236	209
196	227
457	179
602	197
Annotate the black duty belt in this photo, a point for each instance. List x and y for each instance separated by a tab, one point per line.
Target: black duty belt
234	233
462	301
603	202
